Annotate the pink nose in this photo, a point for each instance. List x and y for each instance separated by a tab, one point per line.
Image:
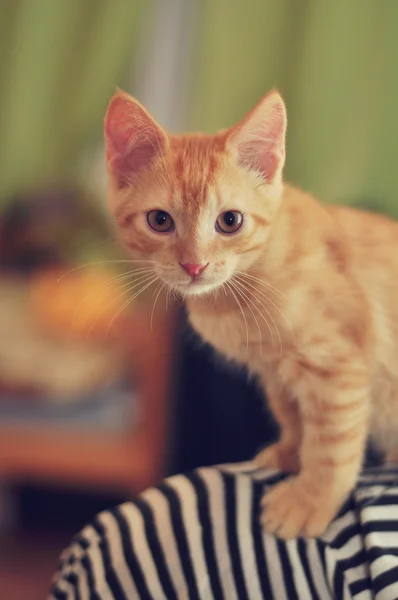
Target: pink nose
193	270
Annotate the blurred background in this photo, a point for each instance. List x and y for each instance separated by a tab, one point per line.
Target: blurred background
103	393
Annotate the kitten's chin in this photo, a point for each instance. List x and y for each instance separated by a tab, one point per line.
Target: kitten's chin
195	288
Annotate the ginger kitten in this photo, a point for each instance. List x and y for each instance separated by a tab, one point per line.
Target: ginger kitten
305	295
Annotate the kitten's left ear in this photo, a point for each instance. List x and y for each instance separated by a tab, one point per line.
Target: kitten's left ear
258	141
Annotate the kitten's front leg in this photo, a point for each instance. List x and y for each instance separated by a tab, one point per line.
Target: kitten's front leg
284	454
334	411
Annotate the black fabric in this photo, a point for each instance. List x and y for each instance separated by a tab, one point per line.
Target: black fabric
221	415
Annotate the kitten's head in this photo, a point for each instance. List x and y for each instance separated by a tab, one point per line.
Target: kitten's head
198	207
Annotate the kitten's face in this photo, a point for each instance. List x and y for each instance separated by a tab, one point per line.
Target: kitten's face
199	208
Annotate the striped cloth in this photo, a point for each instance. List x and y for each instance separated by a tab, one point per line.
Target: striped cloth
198	536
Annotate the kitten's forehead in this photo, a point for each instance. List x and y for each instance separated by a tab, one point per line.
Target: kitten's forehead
195	162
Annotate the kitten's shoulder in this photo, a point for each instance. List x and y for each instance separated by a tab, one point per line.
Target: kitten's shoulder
350	218
365	224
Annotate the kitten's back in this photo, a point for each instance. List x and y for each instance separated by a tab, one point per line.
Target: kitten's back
373	242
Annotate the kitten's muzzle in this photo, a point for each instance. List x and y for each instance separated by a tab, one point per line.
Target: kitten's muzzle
194	270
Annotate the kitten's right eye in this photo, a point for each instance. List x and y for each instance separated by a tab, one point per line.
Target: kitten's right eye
160	221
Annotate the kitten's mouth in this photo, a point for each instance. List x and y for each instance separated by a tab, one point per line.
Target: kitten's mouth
189	286
194	287
196	281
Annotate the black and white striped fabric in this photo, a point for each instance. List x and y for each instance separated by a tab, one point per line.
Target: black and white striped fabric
198	536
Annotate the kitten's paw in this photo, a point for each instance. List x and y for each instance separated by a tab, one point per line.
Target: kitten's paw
278	456
289	510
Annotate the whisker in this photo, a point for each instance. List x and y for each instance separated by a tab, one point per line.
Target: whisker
136	281
131	274
174	296
266	284
130	300
106	285
237	282
102	262
268	313
253	287
246	299
242	312
274	290
238	285
159	291
142	281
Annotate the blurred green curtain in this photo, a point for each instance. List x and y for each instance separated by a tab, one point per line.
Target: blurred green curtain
336	63
60	61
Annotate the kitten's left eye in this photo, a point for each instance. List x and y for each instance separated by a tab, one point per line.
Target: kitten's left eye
160	221
229	221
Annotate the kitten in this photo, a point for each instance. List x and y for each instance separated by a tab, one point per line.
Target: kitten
305	295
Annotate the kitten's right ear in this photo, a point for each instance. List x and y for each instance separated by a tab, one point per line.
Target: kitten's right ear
133	138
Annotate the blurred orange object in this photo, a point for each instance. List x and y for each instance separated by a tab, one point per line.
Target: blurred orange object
88	305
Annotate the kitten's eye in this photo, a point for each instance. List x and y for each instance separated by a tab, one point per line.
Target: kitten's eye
160	221
229	221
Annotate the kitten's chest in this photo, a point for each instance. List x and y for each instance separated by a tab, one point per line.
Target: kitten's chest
231	333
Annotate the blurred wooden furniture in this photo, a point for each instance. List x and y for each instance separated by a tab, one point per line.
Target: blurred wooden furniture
127	461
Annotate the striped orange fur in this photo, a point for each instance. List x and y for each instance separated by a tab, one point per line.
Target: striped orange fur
305	295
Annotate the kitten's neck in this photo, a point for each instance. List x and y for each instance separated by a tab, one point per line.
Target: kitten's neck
297	229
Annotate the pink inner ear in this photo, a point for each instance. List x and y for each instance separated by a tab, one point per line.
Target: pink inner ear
259	140
256	156
133	139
